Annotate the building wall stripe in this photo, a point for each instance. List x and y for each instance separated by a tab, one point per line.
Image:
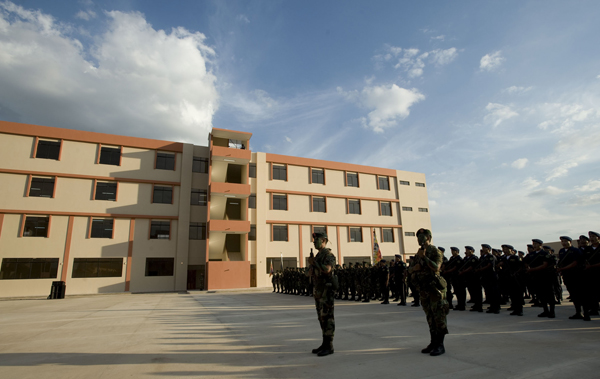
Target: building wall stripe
84	214
346	196
338	166
320	223
65	266
90	177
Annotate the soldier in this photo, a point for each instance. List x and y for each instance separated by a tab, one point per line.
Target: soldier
352	282
366	282
489	279
472	279
570	266
531	285
324	291
541	269
425	274
413	290
384	281
515	279
592	273
358	270
450	272
400	280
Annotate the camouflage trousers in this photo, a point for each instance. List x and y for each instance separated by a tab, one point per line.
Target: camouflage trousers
436	308
324	303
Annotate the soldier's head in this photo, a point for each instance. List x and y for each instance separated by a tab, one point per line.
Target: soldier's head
594	238
530	248
548	249
508	249
320	240
455	251
443	250
423	236
537	244
485	249
469	251
350	264
521	254
583	241
565	241
397	258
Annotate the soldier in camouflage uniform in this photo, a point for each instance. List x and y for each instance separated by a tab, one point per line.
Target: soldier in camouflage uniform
425	275
325	285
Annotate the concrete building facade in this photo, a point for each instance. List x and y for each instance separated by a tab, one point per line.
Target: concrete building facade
108	213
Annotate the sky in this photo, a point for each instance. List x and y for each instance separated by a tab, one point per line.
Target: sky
498	103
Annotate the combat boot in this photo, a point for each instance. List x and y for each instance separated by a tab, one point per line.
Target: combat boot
430	347
320	348
327	347
439	347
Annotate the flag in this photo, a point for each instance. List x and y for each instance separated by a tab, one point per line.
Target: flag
271	273
376	250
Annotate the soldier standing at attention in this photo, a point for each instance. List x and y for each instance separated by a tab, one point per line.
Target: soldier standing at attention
541	269
324	291
570	266
400	280
425	274
384	281
592	273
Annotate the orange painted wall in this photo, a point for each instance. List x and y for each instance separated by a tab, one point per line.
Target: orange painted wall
223	275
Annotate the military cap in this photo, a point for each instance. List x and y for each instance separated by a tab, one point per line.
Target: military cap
566	238
486	246
350	264
537	241
594	234
469	248
427	232
521	252
441	249
584	237
398	255
508	247
454	248
529	245
383	261
320	235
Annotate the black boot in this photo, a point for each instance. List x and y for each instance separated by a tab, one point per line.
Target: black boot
320	348
439	348
430	347
327	348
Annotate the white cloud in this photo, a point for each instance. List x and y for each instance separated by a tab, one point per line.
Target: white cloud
389	104
288	139
520	163
255	105
490	62
531	183
548	191
592	185
142	82
517	90
442	57
413	63
439	38
587	200
86	15
498	113
561	170
242	18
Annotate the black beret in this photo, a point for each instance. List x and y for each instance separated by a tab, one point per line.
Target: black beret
594	234
398	255
320	235
528	245
566	238
508	247
383	261
469	248
454	248
441	249
583	237
427	232
538	241
486	246
520	252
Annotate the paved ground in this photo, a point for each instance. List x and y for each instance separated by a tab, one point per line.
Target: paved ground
265	335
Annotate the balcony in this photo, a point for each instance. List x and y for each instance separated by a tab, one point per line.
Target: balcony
229	226
234	190
226	154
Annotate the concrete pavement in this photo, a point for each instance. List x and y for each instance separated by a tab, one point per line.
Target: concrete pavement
260	334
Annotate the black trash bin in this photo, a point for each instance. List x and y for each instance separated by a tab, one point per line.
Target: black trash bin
58	290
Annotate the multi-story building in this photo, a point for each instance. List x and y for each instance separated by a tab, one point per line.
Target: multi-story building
108	213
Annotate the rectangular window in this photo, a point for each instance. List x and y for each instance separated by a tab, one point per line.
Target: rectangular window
318	204
162	195
352	179
387	235
48	150
279	172
29	268
165	161
199	197
200	165
384	183
236	144
280	202
252	234
106	191
252	168
110	156
386	208
102	228
404	183
197	230
320	229
280	233
356	235
97	268
409	234
160	266
318	176
36	226
354	207
279	264
419	184
252	201
41	187
407	209
423	210
160	230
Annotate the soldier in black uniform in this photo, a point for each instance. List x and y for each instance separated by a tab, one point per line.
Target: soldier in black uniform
591	273
471	279
489	279
400	279
570	266
450	272
384	281
541	269
515	279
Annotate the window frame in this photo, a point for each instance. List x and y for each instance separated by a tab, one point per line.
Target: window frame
165	155
352	229
312	203
99	158
381	207
156	260
24	224
252	170
387	178
252	233
202	160
273	195
409	234
200	228
162	223
117	262
347	183
30	185
383	235
6	269
163	190
279	232
418	184
319	172
348	210
200	193
280	168
96	182
424	210
252	201
407	209
404	182
48	142
91	227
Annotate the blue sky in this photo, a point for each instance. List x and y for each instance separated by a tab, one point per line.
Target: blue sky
498	103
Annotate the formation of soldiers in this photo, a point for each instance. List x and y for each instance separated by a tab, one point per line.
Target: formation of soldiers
500	276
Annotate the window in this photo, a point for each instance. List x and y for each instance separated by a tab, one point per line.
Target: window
387	235
355	234
409	234
160	266
386	208
165	161
102	228
352	179
423	210
280	233
280	202
419	184
252	169
252	201
29	268
97	268
404	183
278	262
36	226
318	204
279	172
160	230
407	209
199	197
320	229
384	183
48	150
200	165
41	187
318	176
354	207
197	230
252	234
162	195
236	144
106	191
110	156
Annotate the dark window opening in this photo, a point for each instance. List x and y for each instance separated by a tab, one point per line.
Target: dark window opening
199	197
354	207
388	235
318	176
252	234
36	226
280	233
106	191
252	202
102	228
48	150
110	156
162	195
165	161
384	183
97	268
252	172
386	209
41	187
200	165
160	230
197	230
160	266
318	204
29	268
279	172
280	202
355	234
352	179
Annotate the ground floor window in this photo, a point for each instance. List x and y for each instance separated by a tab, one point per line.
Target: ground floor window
278	262
160	266
29	268
97	267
